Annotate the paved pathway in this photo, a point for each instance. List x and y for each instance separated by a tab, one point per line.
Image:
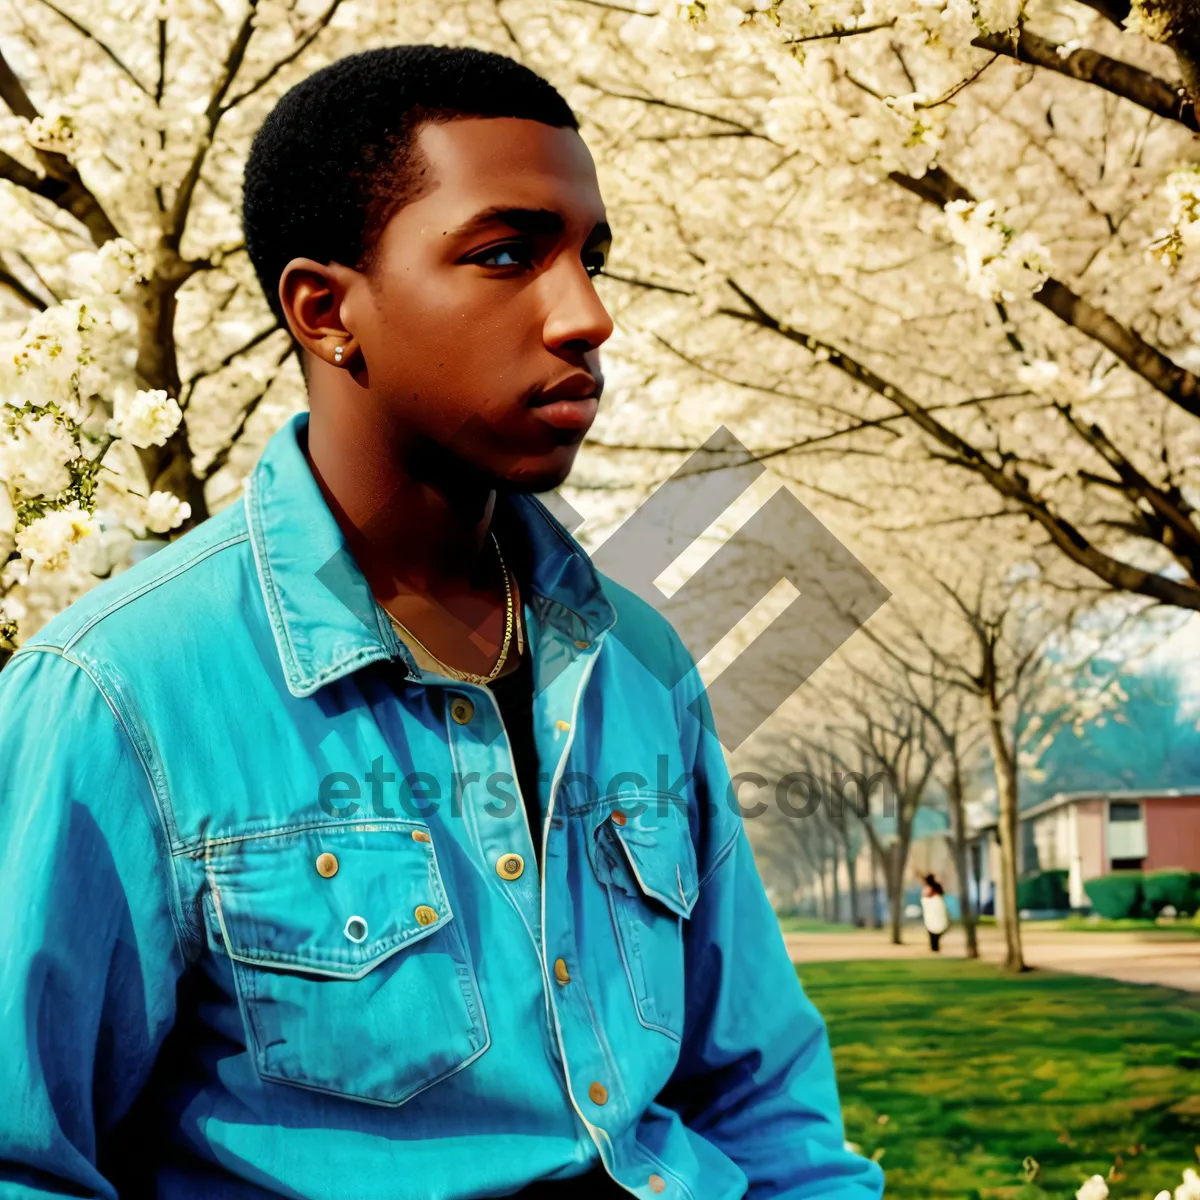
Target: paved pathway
1158	957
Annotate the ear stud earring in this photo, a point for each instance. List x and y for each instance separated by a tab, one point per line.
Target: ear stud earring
337	354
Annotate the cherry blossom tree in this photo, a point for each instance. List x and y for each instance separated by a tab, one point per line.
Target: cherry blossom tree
803	170
138	348
934	260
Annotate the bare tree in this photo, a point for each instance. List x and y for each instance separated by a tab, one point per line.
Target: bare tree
882	737
954	719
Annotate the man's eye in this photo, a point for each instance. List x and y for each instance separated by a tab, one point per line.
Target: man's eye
520	255
517	251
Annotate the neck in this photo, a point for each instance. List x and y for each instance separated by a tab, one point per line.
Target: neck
414	519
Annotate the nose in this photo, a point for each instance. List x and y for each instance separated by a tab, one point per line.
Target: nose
576	319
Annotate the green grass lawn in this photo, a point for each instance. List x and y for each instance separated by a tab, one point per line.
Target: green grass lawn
1180	927
813	925
955	1073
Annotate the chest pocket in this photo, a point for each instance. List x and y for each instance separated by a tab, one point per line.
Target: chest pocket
642	851
350	966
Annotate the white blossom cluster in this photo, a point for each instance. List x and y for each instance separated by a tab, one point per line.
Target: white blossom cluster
1182	190
68	512
998	263
1096	1188
145	418
1150	19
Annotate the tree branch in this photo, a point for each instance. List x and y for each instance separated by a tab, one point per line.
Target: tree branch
21	291
1112	10
840	33
222	456
61	184
306	39
654	101
189	386
1175	382
1004	478
104	47
1174	517
177	220
1120	78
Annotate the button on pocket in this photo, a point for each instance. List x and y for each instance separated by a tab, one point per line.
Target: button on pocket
647	862
326	965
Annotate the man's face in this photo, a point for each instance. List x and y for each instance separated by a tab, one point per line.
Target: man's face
465	319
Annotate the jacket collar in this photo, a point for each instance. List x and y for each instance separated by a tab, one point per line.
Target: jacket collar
325	619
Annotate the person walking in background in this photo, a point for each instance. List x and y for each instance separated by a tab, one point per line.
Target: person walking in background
933	911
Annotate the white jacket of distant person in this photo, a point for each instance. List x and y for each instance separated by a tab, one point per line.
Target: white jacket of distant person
934	914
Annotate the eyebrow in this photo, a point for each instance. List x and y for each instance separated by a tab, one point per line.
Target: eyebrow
534	221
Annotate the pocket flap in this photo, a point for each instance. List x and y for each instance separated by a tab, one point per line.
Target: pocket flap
651	829
330	899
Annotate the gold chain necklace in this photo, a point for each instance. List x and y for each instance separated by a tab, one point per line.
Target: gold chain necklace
470	676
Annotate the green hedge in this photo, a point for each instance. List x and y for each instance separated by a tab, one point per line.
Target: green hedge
1171	885
1116	896
1044	890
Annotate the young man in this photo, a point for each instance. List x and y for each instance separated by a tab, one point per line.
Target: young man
333	837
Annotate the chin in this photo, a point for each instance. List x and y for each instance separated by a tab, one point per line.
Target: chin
542	474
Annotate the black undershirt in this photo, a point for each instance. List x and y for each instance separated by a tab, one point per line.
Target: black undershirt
514	695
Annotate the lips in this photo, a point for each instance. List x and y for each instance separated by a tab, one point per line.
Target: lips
579	385
568	414
571	403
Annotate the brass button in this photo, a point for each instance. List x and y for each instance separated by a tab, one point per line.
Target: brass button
618	817
657	1183
598	1093
560	971
425	915
419	835
510	866
327	864
582	645
563	724
461	709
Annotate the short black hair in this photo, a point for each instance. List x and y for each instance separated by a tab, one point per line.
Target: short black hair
337	156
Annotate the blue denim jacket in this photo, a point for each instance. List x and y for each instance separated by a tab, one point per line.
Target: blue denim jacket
233	810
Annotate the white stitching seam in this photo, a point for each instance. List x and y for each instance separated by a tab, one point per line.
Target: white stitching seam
149	586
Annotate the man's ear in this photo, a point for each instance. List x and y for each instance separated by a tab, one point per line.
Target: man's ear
310	296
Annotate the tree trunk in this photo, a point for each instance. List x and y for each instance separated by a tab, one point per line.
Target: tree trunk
959	846
895	881
1184	39
876	919
835	887
821	888
852	883
1006	790
168	467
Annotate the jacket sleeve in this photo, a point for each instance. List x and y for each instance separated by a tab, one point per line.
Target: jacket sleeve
90	957
755	1075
